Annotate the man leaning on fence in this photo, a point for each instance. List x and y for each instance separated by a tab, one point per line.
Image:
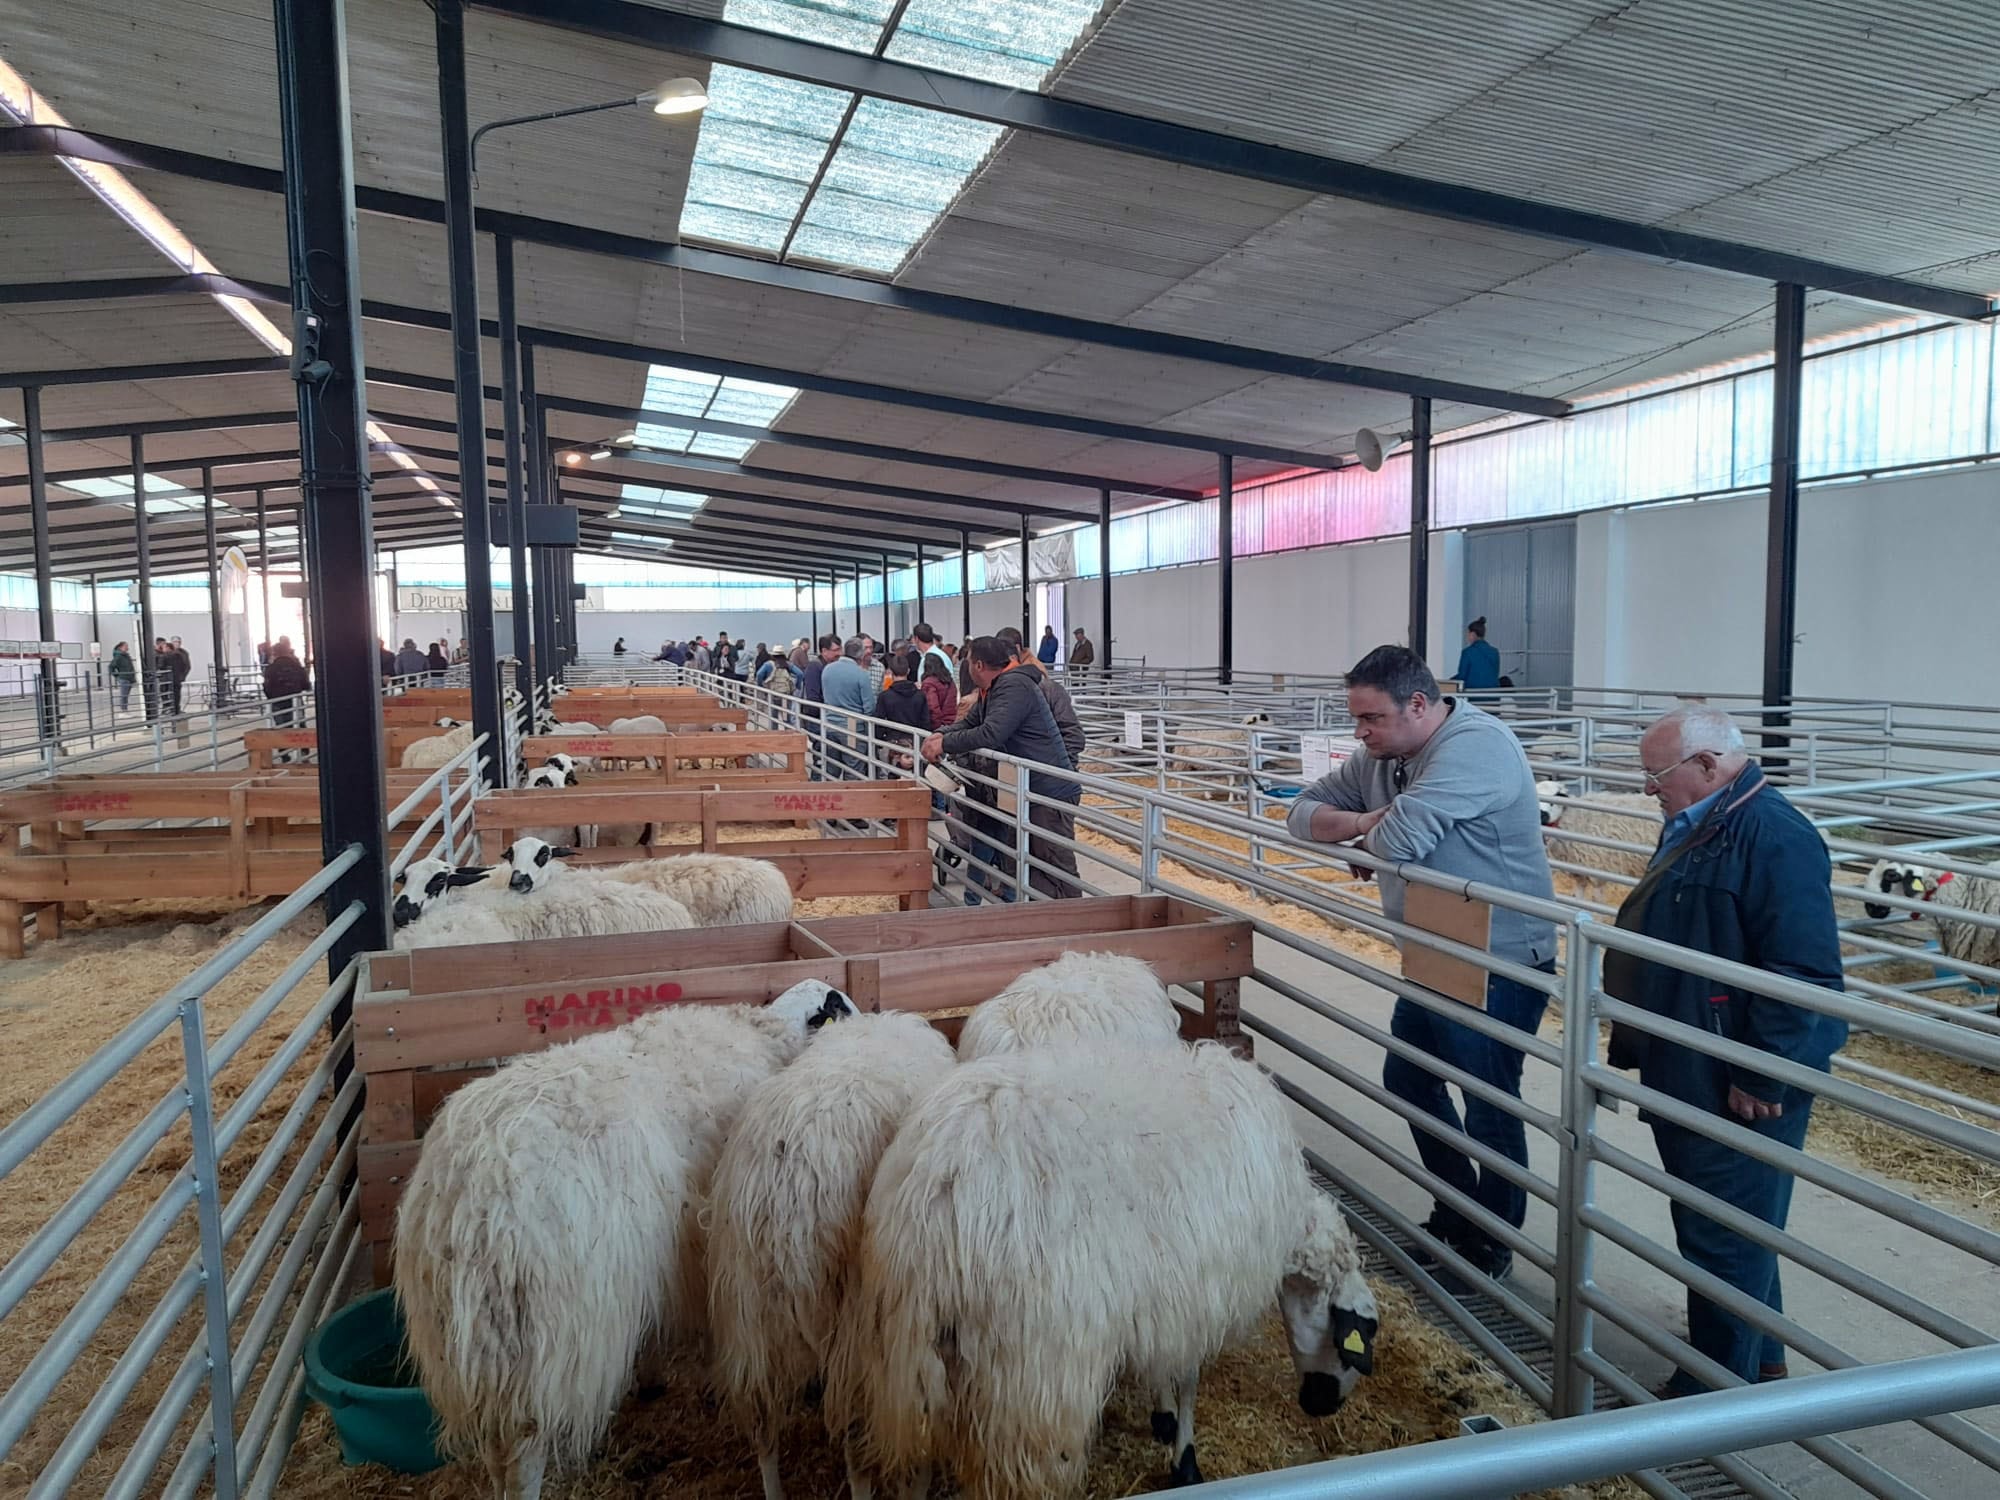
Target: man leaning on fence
1013	718
1446	786
1741	875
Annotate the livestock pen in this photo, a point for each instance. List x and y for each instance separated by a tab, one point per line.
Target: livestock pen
1582	1326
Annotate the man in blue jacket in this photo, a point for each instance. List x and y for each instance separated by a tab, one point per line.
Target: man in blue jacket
1740	875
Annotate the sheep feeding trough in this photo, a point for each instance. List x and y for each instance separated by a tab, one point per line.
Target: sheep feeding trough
428	1021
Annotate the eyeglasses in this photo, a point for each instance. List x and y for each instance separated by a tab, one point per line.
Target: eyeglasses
1654	778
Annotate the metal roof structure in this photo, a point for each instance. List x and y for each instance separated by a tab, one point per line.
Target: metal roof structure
1028	246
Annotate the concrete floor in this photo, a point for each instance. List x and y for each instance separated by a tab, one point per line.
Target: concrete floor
1948	1279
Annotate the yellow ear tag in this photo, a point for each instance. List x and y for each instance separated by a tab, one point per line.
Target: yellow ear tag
1352	1343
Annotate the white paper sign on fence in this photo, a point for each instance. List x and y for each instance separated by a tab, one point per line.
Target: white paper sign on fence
1320	753
1135	730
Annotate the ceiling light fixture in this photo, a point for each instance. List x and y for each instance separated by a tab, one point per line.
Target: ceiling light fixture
600	455
675	97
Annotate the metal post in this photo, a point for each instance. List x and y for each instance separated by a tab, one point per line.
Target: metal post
214	1269
1573	1391
264	565
965	585
96	630
1420	524
149	677
888	630
832	607
1022	889
1027	601
47	717
517	498
467	376
1781	548
221	671
540	492
812	605
1225	551
920	581
334	520
1104	579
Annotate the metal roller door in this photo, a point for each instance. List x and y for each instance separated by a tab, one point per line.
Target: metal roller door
1523	580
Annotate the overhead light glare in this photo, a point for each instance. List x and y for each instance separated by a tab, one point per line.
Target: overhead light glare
600	455
677	96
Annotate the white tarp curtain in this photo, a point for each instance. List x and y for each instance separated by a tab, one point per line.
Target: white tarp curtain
1050	558
233	575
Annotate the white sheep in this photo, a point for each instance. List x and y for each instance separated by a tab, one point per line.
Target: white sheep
454	901
1629	817
1084	998
1215	754
1943	891
437	749
553	900
720	890
1041	1223
785	1211
547	1236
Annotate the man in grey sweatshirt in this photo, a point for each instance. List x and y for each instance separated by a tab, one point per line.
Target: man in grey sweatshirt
1446	786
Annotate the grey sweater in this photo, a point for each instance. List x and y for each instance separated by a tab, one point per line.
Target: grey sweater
1468	808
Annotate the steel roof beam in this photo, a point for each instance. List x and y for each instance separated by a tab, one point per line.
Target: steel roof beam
684	535
695	463
909	526
1185	145
754	536
196	369
637	415
58	140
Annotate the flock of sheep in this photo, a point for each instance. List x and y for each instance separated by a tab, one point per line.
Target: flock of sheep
959	1253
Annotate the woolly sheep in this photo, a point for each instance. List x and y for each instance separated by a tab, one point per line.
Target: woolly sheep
461	920
1215	753
1630	817
556	901
1979	894
785	1211
546	1236
720	890
1041	1223
1090	998
435	751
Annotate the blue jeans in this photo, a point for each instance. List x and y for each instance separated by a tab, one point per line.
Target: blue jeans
1486	1059
1755	1188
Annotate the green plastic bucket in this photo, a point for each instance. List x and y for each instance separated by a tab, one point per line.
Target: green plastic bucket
356	1368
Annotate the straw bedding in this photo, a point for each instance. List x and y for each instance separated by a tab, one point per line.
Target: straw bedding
1246	1421
73	995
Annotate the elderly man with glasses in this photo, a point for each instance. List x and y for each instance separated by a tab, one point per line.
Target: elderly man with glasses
1739	875
1446	786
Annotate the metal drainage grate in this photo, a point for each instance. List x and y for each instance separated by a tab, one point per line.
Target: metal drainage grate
1696	1479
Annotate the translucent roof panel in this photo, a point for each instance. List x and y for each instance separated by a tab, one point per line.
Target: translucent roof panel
776	170
762	140
644	500
1014	42
121	489
640	539
693	393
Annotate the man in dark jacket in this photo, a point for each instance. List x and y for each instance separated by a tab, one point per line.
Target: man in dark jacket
1013	717
179	665
1067	724
1082	655
410	662
388	657
284	679
1739	875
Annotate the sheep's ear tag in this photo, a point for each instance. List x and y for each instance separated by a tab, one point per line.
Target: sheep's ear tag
1353	1343
832	1008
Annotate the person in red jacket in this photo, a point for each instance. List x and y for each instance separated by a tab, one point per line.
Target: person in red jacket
939	691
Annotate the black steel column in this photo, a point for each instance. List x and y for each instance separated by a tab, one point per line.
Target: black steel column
1027	599
812	605
541	491
832	606
334	522
96	630
1781	547
47	718
920	583
214	589
888	630
469	380
149	676
1104	583
965	585
264	566
1420	524
517	498
1225	554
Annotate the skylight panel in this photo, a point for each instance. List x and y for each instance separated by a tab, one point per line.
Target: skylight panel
641	539
163	496
644	499
754	403
776	171
853	24
1015	42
